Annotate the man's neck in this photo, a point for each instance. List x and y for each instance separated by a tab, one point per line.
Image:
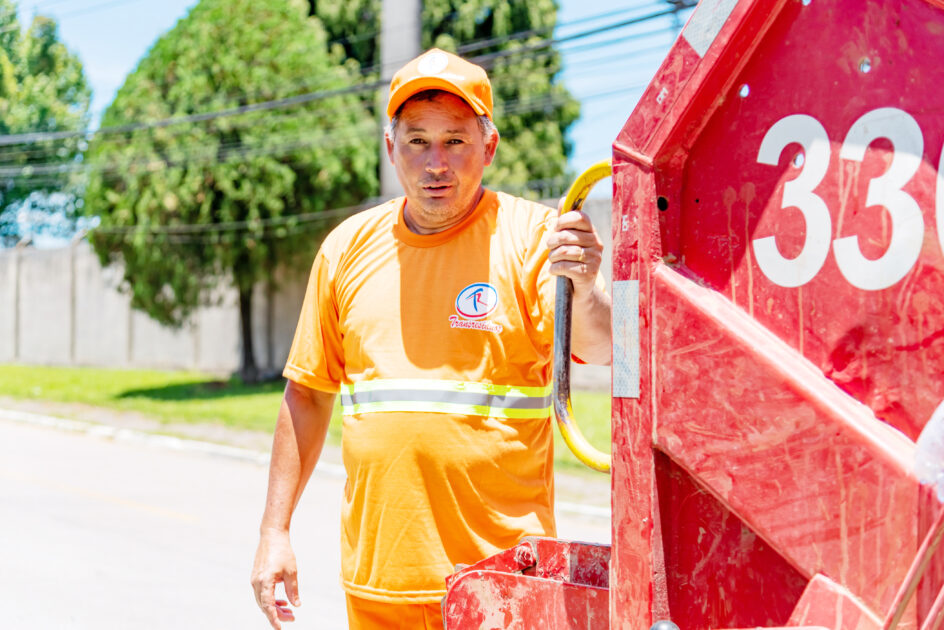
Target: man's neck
418	227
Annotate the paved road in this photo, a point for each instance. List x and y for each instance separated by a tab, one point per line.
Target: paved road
101	533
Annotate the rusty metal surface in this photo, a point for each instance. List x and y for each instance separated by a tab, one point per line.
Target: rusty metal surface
778	197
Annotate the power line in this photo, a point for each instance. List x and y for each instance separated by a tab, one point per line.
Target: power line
34	137
235	151
152	164
30	138
8	151
225	150
494	41
484	59
76	13
185	157
201	153
50	3
231	226
95	8
475	45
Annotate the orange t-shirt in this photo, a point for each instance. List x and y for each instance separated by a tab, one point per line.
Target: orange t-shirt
441	347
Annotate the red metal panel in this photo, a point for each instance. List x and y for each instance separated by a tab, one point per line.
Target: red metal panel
492	600
808	468
882	345
777	196
823	600
539	583
711	579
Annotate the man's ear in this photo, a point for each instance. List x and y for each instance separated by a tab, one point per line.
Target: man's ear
389	141
491	147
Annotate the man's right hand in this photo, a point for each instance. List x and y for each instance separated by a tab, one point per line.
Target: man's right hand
274	563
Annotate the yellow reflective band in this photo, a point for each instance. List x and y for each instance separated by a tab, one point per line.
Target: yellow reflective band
433	407
453	397
447	386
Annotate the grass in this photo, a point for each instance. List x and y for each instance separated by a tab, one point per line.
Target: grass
192	397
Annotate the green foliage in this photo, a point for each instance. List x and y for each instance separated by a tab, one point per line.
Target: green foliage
243	178
353	26
532	110
42	88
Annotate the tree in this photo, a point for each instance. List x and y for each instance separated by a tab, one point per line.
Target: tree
512	40
186	204
42	89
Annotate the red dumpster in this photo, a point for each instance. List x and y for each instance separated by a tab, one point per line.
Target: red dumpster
778	319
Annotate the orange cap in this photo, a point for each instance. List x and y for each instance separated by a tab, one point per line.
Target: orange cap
438	70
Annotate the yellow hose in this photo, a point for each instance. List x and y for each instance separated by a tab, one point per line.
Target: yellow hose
573	437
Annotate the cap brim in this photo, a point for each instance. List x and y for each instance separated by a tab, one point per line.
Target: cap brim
421	84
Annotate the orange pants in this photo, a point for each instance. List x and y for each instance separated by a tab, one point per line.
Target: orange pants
366	614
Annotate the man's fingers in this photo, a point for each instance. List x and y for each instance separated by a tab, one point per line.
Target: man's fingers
272	614
291	587
277	610
574	253
275	563
570	238
578	272
571	235
264	590
574	220
283	611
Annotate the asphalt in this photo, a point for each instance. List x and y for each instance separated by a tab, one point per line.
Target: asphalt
113	521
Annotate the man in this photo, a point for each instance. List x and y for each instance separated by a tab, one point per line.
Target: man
432	314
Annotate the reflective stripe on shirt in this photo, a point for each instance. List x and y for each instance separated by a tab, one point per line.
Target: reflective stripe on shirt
456	397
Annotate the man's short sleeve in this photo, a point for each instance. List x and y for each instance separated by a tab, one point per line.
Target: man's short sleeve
316	359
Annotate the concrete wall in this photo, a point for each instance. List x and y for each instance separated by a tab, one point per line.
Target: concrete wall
60	307
103	315
45	305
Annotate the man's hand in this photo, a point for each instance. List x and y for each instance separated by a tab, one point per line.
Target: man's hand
575	251
299	435
275	562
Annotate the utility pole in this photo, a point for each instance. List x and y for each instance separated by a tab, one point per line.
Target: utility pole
400	37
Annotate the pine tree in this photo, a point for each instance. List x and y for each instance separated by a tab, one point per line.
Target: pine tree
239	182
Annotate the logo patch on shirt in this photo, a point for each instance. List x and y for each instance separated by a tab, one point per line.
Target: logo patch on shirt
473	304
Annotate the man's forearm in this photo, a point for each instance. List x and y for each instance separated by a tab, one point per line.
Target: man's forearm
299	437
591	329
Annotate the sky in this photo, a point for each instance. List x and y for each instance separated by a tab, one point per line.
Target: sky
607	72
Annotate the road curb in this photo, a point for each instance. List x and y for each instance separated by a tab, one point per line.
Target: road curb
170	442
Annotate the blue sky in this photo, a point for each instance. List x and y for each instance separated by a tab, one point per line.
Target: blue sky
607	72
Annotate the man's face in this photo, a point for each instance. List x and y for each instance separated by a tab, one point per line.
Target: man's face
439	153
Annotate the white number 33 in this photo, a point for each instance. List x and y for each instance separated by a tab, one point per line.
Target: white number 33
907	221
